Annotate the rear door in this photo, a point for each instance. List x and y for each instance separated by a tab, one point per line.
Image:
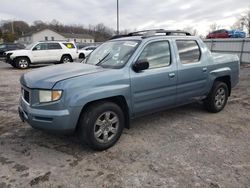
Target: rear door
154	88
192	71
55	52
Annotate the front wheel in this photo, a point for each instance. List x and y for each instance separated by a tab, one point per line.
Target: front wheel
101	126
81	56
217	98
22	63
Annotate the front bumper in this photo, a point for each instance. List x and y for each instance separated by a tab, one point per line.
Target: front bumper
9	60
56	121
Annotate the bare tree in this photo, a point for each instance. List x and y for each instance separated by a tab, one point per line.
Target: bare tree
245	20
237	25
214	27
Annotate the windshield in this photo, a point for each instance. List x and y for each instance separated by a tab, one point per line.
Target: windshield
29	46
112	54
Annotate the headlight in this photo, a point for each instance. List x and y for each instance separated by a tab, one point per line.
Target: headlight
8	54
49	95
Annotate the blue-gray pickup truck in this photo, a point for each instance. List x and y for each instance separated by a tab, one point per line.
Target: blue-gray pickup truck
126	77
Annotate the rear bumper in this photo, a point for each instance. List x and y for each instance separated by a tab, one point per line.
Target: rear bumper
55	121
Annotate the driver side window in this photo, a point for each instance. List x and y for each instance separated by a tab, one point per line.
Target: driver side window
157	54
41	46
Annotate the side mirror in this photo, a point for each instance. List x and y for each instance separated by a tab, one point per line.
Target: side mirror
140	65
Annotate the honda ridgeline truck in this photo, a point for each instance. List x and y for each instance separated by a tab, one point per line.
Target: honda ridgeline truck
126	77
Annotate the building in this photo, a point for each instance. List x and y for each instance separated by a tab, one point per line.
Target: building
78	38
50	35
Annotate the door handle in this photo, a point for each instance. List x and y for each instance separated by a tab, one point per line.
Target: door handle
204	69
171	75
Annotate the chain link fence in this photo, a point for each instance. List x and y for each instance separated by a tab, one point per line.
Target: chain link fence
240	47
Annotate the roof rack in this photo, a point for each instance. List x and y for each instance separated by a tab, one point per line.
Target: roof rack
153	32
56	41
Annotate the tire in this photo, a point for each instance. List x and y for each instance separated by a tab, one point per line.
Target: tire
66	59
101	125
81	56
217	98
22	63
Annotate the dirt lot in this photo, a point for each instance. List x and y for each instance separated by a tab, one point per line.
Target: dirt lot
183	147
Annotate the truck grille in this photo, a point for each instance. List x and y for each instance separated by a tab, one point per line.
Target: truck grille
26	95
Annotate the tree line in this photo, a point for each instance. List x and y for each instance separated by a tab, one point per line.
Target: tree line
243	21
12	30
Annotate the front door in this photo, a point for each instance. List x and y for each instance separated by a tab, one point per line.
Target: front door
154	88
40	53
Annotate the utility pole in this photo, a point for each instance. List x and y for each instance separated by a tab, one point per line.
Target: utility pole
12	27
117	19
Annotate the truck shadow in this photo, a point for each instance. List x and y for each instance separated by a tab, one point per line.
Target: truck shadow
71	145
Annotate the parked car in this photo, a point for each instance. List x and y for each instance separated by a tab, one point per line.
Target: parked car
9	46
84	52
42	52
80	45
237	34
124	78
222	33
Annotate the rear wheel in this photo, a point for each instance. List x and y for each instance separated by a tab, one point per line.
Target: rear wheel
217	98
22	63
66	59
101	126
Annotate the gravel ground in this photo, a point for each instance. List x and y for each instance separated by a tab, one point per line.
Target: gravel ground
182	147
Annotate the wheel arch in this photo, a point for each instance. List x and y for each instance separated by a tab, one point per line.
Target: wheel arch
226	80
21	57
67	55
119	100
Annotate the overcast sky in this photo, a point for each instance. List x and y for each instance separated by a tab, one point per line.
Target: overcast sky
134	14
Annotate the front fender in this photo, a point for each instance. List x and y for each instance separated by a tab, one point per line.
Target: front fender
81	98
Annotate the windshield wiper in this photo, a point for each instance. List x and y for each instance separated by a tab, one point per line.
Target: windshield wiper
102	60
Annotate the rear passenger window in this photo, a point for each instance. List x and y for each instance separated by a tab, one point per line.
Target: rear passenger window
157	54
69	45
54	46
189	51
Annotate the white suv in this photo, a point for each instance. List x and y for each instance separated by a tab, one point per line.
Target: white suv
41	53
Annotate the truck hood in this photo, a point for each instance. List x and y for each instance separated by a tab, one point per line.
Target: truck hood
47	77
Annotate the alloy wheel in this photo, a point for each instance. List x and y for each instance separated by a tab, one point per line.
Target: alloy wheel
220	97
106	127
23	63
66	60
